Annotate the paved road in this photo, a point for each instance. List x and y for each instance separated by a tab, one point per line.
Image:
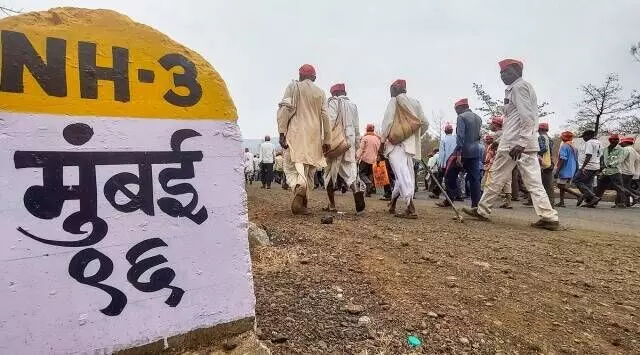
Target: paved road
602	219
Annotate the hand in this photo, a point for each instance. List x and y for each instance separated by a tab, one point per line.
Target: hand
516	152
325	148
459	160
283	141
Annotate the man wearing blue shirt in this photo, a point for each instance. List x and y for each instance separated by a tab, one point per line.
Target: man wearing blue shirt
567	167
468	153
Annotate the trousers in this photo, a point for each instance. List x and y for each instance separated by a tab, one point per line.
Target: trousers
529	168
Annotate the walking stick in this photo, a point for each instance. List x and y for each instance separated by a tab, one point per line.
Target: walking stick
458	215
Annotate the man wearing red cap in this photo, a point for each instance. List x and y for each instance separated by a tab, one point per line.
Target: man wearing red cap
341	109
367	155
546	162
630	167
402	153
468	153
518	147
305	135
567	167
611	177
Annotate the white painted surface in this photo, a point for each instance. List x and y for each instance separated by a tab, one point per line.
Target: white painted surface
45	311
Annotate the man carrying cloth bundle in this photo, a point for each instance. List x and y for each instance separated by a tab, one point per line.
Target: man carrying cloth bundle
341	158
402	127
518	147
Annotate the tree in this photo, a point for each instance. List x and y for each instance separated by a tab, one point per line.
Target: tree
602	108
8	11
635	51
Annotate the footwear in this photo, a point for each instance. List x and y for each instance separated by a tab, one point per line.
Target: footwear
385	198
407	215
548	225
560	204
263	187
392	206
593	203
444	203
473	212
580	201
329	209
359	200
619	206
297	205
527	203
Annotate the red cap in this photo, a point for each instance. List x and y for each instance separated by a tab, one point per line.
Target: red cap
497	120
448	128
506	62
566	136
370	127
543	126
401	83
337	87
628	140
307	70
488	138
461	102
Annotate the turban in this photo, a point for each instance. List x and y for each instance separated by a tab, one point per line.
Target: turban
337	87
448	128
401	83
543	126
371	127
566	136
497	121
630	140
461	102
307	70
507	62
488	138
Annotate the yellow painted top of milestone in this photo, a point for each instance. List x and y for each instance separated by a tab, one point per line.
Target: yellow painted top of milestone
63	61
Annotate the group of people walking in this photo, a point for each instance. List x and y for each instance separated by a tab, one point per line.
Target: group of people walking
320	133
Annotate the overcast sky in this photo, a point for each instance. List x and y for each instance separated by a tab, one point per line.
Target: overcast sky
439	47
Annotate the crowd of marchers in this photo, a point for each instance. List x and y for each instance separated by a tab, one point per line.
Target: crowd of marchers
321	147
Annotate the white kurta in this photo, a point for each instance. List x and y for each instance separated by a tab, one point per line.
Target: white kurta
248	162
520	128
402	154
346	164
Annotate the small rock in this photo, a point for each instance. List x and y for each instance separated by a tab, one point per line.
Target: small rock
337	289
230	344
326	220
257	236
278	294
482	264
289	319
451	278
304	261
464	341
354	308
279	339
497	323
364	320
405	244
432	314
323	345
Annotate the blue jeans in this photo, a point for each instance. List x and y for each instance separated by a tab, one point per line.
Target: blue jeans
474	176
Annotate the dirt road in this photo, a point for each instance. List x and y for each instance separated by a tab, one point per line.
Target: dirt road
363	284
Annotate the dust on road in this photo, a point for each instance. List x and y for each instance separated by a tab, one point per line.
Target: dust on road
363	284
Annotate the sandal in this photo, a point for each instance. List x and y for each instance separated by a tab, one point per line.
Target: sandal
329	209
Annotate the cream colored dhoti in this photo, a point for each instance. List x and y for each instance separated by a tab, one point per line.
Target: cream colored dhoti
348	170
297	173
501	171
402	165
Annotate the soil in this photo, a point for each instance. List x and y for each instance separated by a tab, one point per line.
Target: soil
363	284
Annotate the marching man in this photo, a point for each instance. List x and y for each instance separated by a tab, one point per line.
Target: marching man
401	153
305	136
518	146
341	108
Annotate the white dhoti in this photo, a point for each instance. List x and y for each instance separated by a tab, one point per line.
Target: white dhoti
297	173
402	165
348	170
501	171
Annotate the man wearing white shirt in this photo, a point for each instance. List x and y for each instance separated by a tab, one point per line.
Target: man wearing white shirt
588	165
401	154
267	158
518	147
345	166
630	169
248	166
